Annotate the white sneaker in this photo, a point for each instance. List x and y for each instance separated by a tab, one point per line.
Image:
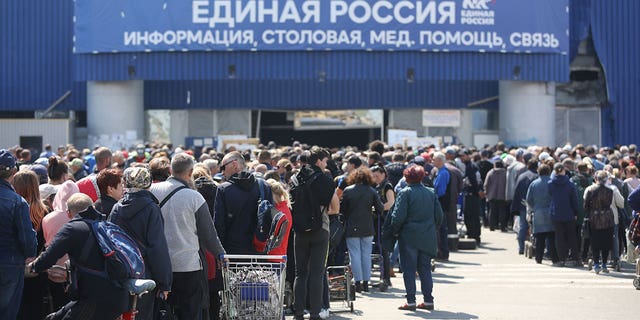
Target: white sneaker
324	313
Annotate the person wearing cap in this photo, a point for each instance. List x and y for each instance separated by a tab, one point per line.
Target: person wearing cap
76	168
139	156
17	238
139	215
564	214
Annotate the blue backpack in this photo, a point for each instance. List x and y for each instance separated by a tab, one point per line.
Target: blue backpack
122	257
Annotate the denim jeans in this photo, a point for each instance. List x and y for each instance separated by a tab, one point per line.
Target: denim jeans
360	257
394	256
522	232
412	260
11	287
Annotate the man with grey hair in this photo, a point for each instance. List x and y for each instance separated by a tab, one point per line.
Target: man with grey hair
213	166
80	202
440	184
94	297
187	224
235	206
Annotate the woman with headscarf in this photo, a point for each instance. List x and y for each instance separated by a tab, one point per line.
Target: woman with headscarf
26	184
599	202
138	214
414	220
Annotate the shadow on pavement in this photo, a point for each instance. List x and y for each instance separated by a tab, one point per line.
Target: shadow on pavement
437	314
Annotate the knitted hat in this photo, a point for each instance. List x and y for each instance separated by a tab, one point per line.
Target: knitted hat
137	177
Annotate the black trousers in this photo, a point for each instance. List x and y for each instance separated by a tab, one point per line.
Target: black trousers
601	243
499	214
311	255
471	211
566	240
541	241
188	291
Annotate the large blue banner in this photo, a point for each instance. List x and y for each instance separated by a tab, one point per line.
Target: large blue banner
539	26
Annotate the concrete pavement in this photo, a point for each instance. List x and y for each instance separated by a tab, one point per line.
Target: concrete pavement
494	282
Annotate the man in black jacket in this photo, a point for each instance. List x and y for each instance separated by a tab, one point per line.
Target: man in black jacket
236	205
472	190
95	297
139	215
311	245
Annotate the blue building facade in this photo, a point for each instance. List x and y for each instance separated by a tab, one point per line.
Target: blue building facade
38	66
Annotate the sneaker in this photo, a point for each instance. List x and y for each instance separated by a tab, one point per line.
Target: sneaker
426	306
324	313
558	264
596	268
604	269
407	306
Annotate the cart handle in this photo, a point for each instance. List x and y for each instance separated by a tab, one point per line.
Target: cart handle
253	257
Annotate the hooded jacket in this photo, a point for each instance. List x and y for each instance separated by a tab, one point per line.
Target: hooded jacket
53	222
564	203
236	212
139	215
105	204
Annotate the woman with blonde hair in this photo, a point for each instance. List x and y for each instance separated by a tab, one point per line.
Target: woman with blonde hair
26	184
282	204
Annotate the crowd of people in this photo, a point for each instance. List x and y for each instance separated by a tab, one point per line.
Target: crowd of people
185	208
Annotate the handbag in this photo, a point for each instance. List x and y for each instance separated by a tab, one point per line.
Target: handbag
585	232
162	310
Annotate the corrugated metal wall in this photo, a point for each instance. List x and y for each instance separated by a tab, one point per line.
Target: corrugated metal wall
313	94
615	27
53	131
35	56
339	65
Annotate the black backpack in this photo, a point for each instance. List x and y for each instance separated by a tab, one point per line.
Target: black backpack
307	214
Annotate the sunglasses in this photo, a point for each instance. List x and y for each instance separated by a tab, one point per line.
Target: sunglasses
226	164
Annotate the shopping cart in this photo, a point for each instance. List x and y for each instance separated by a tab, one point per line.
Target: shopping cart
253	287
341	288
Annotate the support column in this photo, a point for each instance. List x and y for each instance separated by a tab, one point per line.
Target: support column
527	113
115	113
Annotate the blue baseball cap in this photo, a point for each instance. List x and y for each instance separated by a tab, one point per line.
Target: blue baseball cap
7	160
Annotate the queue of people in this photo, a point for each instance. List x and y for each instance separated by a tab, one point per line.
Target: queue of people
185	208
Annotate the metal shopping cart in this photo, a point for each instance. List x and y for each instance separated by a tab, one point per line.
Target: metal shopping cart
253	287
